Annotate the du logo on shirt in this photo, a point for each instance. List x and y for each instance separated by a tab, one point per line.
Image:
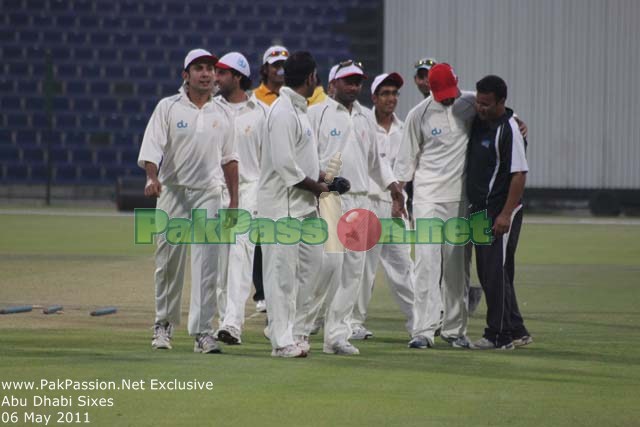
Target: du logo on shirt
485	143
182	124
436	131
335	132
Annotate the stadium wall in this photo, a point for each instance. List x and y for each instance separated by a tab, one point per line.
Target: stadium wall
571	67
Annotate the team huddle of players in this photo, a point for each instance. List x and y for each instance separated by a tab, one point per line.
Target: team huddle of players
272	152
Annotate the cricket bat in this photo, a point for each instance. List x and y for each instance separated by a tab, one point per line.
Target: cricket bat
331	207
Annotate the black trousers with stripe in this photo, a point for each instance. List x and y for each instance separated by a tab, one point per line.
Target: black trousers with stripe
496	270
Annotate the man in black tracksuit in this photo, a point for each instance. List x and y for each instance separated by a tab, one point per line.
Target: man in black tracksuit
496	174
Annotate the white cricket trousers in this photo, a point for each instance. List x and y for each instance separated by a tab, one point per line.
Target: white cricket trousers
313	301
289	271
236	265
344	273
397	265
442	274
170	260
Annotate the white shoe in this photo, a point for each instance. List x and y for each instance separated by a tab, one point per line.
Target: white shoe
457	342
420	342
359	332
206	343
162	336
261	306
289	351
229	335
485	344
302	341
342	348
461	342
523	340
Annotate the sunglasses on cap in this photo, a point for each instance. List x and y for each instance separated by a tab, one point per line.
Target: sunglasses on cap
278	53
425	62
348	63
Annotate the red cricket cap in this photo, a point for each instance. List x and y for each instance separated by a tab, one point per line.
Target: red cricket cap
443	82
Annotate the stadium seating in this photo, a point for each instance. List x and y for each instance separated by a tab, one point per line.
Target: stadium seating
38	173
16	172
65	173
112	60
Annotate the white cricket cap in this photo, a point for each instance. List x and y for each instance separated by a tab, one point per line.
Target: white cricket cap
386	77
275	54
197	54
349	70
235	61
332	73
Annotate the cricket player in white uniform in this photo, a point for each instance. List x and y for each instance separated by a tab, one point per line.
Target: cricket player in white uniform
395	259
341	125
317	304
421	79
289	186
236	260
433	154
188	155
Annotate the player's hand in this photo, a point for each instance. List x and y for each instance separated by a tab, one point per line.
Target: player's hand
321	188
230	218
152	188
502	224
397	209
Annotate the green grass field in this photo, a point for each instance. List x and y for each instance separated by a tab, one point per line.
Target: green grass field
578	287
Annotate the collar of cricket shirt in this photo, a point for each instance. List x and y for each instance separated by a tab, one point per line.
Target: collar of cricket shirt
356	108
296	99
395	121
249	102
185	97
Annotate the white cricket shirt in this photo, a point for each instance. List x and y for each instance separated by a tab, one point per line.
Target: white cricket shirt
189	144
388	147
249	120
353	134
289	155
434	148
